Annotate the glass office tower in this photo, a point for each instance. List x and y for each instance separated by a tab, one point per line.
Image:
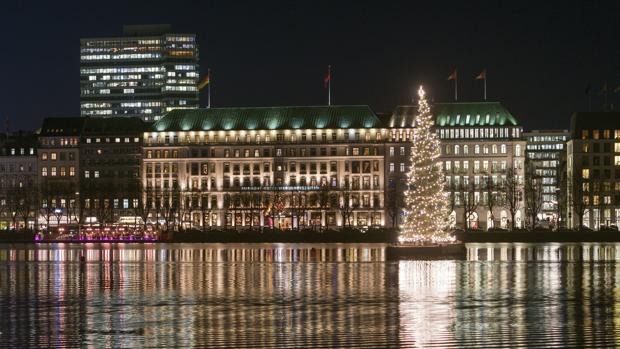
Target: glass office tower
144	73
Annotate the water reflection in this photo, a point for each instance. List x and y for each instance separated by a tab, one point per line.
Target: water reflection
426	291
551	252
547	295
178	295
195	296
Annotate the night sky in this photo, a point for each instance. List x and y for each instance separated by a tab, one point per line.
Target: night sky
540	56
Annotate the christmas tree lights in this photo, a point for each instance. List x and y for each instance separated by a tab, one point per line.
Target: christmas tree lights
425	212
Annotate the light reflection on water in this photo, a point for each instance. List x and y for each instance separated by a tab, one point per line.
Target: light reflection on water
549	252
195	295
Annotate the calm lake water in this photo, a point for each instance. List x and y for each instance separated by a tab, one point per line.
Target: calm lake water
273	295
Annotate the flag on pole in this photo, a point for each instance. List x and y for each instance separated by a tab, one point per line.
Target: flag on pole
453	76
617	89
327	82
483	76
205	80
328	77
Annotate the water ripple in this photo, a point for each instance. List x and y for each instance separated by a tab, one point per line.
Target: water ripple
280	296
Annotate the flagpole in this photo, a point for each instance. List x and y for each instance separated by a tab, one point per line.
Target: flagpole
456	92
209	89
329	86
485	86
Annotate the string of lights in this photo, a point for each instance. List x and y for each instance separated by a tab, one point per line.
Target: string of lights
425	212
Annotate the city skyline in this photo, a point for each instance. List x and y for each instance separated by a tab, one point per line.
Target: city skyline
272	54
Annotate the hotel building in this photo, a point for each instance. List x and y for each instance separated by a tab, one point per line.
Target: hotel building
546	157
284	167
593	170
481	144
145	73
292	167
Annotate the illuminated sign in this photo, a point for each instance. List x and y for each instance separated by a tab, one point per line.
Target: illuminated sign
283	188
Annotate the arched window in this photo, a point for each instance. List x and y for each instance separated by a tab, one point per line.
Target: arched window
518	150
457	149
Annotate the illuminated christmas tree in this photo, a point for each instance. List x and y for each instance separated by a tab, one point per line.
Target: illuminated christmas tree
425	212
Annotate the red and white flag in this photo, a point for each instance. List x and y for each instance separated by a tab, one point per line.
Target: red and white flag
453	76
328	77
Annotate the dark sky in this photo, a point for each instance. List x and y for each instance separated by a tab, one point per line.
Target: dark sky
540	55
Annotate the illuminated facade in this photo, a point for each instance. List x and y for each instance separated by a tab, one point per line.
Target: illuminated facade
110	162
481	144
546	156
59	167
145	73
284	167
593	170
18	180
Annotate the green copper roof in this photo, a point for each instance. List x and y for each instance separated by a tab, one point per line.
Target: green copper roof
472	114
455	115
268	118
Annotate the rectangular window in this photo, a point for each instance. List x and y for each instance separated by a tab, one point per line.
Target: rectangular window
585	173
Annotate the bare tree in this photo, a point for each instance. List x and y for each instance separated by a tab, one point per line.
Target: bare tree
14	206
278	205
512	190
579	200
205	211
27	204
492	199
145	204
346	206
323	198
394	203
533	191
600	203
469	202
562	199
47	194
